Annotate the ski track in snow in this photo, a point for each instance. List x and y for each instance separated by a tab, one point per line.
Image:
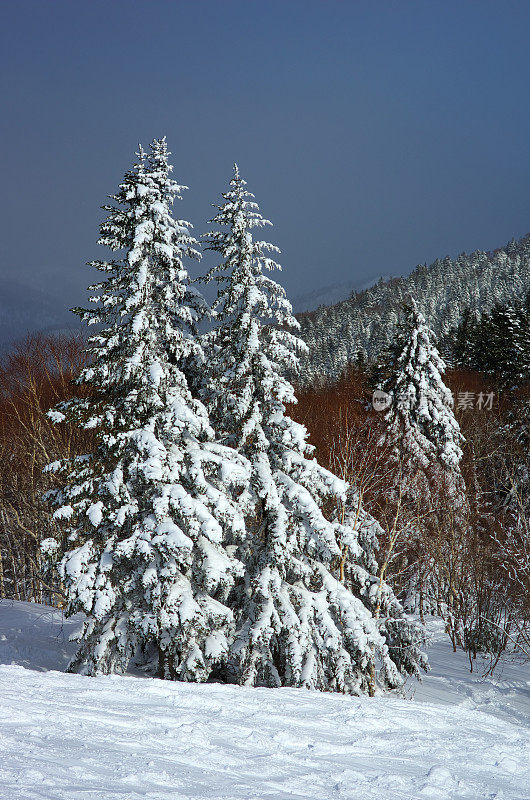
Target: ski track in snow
68	737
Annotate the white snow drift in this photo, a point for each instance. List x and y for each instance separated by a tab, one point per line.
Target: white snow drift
69	737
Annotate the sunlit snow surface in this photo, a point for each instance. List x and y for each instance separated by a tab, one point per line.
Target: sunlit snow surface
67	737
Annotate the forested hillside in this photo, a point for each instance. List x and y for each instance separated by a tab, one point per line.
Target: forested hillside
364	324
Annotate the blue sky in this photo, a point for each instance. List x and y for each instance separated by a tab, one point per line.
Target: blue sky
375	135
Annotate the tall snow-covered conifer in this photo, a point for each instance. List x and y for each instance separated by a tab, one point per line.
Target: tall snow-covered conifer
143	553
298	623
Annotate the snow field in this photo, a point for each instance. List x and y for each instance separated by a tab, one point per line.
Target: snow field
68	737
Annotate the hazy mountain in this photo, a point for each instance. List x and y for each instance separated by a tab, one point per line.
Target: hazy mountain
337	331
24	309
332	294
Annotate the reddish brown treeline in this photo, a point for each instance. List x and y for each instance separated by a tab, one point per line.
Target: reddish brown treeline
35	376
476	565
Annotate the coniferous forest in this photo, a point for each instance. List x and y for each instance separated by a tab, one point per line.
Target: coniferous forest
361	326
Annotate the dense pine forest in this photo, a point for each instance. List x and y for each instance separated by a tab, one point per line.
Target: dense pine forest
361	326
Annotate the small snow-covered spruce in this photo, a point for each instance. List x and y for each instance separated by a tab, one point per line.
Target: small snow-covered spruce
143	554
424	444
421	424
298	623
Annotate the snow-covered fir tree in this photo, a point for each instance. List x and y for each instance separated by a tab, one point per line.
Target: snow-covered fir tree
424	442
143	554
420	421
299	622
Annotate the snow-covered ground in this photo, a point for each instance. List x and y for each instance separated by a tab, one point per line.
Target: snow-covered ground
67	737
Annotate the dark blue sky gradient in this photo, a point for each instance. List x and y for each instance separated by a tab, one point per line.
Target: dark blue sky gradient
375	135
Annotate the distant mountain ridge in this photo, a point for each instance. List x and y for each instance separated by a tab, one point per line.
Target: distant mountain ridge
337	332
332	294
364	323
24	310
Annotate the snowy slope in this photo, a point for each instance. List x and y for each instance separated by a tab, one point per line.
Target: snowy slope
67	737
